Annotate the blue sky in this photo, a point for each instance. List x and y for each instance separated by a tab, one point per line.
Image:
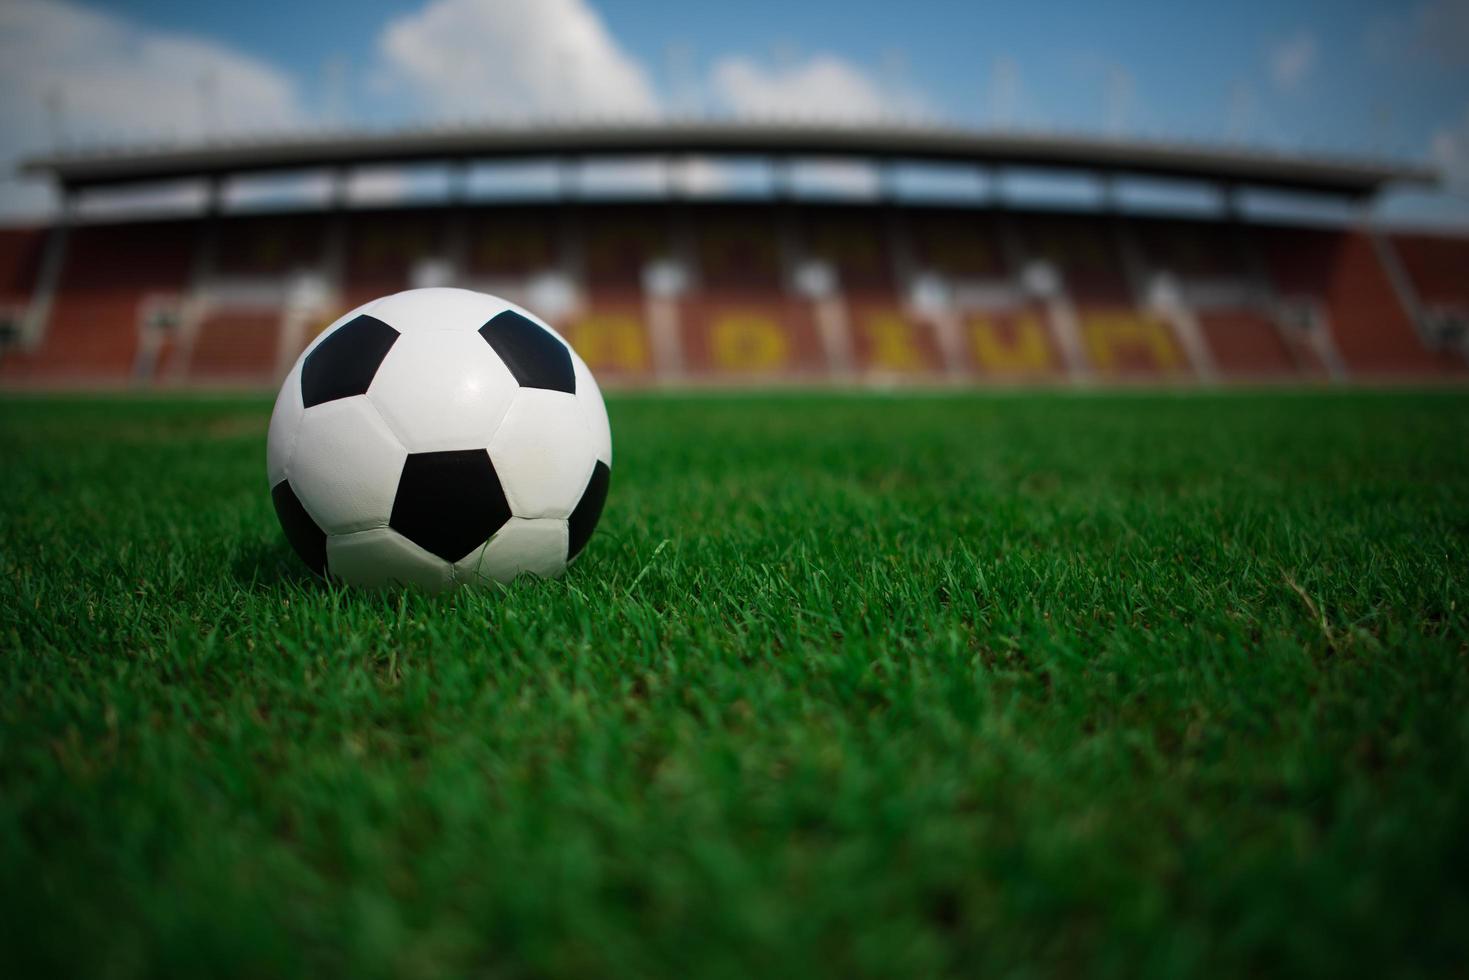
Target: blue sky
1351	76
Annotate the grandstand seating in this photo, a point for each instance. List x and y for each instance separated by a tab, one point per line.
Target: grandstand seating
1438	266
1191	250
1084	251
739	248
853	243
617	245
1248	345
510	243
744	303
268	245
234	346
1375	335
750	335
20	262
889	342
93	330
612	336
382	247
958	245
1010	345
1123	342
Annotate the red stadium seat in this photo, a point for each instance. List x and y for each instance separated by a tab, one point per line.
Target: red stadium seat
1438	266
92	335
239	347
889	342
1246	345
1373	333
750	335
612	336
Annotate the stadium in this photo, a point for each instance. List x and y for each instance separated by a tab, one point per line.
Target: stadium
981	495
728	253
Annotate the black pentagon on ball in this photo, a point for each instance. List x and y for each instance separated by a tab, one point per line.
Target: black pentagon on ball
531	352
584	519
301	531
344	364
449	503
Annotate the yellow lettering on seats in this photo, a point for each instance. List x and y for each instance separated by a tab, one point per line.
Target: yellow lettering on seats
891	341
1022	349
748	342
610	341
1115	339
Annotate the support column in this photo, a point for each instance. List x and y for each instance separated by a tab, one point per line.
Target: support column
334	247
663	285
456	233
1166	300
820	285
571	257
1043	281
786	235
201	280
1134	267
667	281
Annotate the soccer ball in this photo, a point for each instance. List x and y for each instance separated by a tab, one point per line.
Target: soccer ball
438	437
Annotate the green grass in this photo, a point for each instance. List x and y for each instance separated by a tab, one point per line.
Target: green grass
1029	685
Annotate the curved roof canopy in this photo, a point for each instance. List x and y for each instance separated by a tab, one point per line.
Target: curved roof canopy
1353	177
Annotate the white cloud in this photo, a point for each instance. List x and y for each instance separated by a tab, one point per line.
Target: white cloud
1292	61
821	87
81	75
478	58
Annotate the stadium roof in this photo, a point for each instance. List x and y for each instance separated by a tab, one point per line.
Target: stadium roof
1353	177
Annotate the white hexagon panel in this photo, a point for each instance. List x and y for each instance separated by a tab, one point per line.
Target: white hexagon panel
285	423
345	465
381	557
439	308
443	389
594	410
543	453
438	436
534	546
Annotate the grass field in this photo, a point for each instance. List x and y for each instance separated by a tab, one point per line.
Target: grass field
1030	685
